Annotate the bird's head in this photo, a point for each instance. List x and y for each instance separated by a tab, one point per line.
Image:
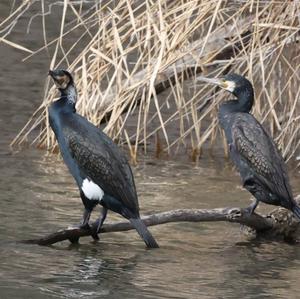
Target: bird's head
62	78
234	83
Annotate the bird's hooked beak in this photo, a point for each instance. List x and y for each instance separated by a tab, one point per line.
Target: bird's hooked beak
60	79
54	76
221	82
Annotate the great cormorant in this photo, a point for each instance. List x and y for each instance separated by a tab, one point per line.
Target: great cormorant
251	149
99	168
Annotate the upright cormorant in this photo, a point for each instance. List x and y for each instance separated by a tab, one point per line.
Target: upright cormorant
99	168
252	150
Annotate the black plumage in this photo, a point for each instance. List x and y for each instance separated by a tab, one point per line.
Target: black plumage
101	171
254	153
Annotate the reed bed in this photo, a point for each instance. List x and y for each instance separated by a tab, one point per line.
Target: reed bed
136	64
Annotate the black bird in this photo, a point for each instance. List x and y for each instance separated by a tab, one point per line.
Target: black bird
99	168
252	150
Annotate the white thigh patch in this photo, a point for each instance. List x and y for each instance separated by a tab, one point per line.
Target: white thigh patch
91	190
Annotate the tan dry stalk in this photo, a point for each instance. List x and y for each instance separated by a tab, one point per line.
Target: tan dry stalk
130	51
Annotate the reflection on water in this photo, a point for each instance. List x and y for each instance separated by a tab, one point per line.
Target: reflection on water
195	260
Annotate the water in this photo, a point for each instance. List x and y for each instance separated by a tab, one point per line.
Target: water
196	260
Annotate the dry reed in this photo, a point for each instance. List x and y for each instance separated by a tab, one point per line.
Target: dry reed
133	50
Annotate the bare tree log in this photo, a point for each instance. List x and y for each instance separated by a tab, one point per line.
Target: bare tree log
256	223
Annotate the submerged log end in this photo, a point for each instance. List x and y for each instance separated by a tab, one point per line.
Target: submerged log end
286	225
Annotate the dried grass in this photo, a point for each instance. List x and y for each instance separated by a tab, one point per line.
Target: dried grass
135	48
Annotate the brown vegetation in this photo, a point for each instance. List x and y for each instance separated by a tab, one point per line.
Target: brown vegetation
135	49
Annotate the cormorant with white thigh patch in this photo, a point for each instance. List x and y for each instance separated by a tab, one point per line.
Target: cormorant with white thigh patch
99	168
252	150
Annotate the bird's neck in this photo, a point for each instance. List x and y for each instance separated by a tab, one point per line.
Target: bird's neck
243	103
70	93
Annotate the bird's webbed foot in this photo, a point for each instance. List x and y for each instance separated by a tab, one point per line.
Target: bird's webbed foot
85	220
75	240
234	214
83	225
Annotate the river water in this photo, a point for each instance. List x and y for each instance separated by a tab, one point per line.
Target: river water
38	196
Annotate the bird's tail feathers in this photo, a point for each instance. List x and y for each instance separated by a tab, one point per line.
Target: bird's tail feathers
296	211
143	231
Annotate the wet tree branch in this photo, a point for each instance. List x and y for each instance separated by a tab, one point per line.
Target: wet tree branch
255	222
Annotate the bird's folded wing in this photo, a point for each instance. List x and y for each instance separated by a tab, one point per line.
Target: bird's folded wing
102	161
258	150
